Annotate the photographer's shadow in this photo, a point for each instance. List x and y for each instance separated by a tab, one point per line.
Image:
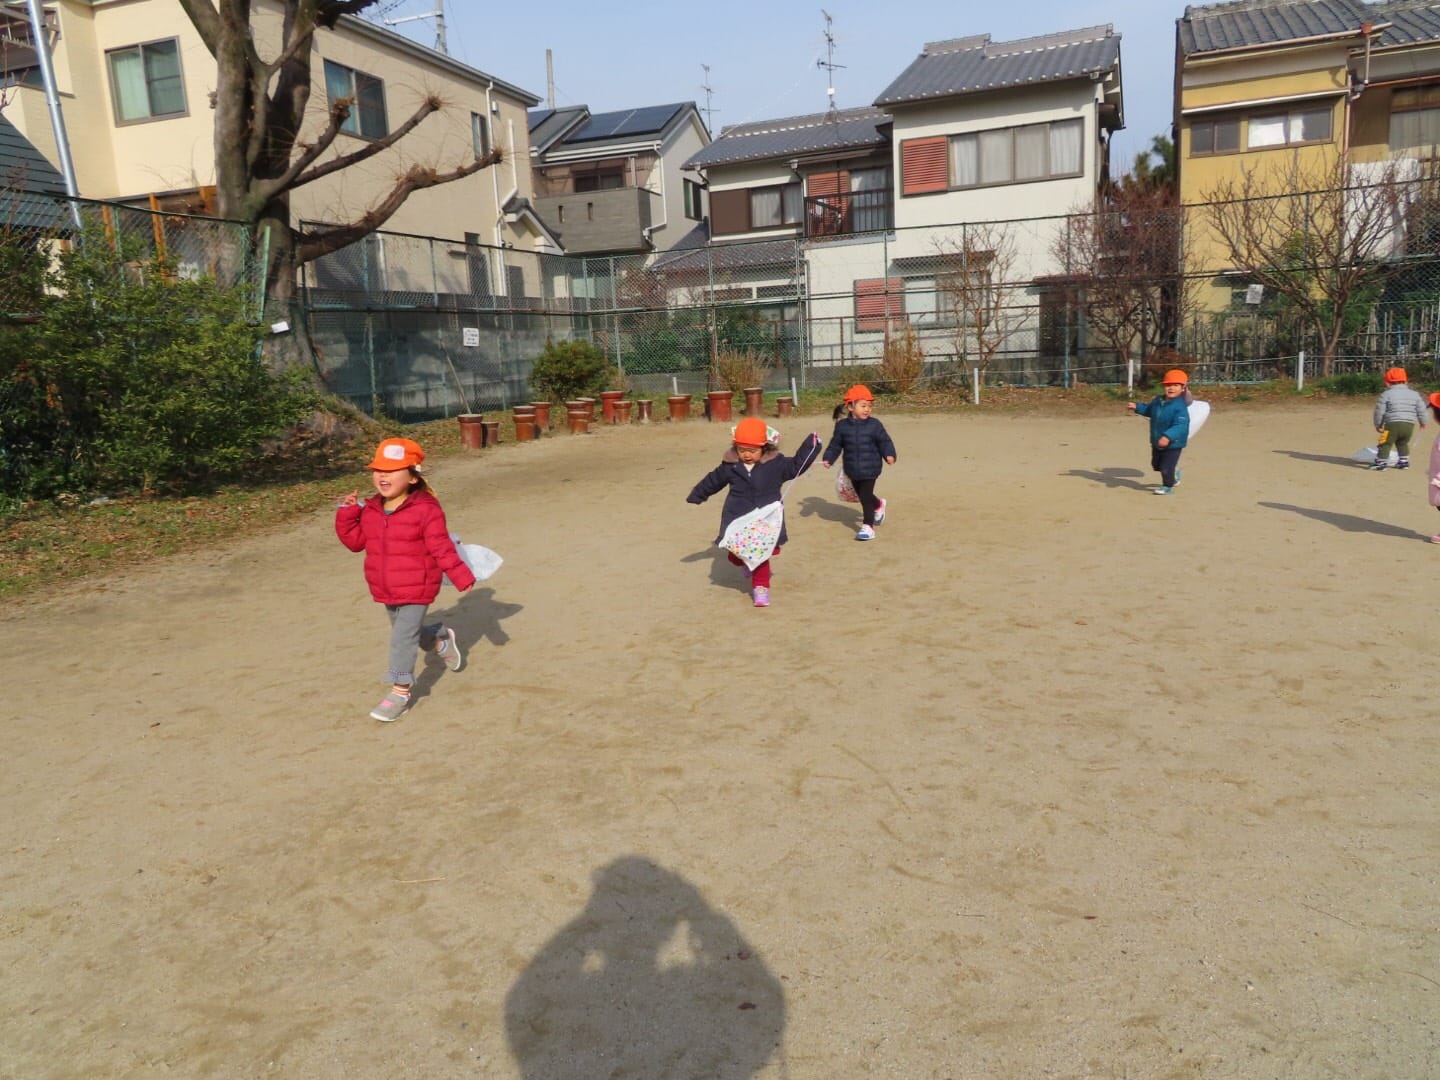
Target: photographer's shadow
647	981
475	617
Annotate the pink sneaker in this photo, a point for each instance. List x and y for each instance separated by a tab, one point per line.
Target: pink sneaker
880	512
762	596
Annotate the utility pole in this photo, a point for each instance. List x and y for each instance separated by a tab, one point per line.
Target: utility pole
550	79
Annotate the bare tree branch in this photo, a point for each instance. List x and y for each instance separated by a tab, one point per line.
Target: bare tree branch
339	113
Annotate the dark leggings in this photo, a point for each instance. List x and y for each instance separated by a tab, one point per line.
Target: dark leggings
868	502
1164	461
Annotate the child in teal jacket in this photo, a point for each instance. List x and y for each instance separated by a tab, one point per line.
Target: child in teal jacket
1169	428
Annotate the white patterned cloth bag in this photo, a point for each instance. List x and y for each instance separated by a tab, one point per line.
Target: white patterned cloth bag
481	560
752	537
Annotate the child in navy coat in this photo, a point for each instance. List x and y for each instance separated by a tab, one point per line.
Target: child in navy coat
754	471
867	449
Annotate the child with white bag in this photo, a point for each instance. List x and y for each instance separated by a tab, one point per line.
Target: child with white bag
754	470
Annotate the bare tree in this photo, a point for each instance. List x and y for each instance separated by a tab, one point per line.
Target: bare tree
1317	234
1122	262
974	292
261	107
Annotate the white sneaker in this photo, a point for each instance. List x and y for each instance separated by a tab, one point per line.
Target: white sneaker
866	532
880	512
448	649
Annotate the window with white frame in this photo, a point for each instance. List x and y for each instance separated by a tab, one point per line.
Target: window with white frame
956	298
771	207
694	204
145	81
367	100
1292	128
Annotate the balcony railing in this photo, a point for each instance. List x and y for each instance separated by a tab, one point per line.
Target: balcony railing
850	213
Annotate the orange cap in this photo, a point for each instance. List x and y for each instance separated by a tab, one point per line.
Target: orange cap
858	392
1435	400
395	454
1175	375
751	432
1396	374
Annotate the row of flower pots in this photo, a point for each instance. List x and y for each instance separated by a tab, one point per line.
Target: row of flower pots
532	420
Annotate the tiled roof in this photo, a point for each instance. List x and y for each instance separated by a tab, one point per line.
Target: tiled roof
839	129
547	125
27	182
1250	23
974	64
739	255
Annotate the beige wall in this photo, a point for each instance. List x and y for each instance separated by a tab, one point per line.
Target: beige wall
177	153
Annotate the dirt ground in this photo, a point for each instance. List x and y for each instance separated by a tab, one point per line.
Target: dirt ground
1055	778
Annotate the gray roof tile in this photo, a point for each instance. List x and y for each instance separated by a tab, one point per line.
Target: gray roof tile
975	64
839	129
1249	23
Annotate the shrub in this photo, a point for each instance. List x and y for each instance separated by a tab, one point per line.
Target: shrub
570	369
131	377
738	369
903	362
1353	383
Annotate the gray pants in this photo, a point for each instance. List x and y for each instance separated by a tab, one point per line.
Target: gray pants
407	634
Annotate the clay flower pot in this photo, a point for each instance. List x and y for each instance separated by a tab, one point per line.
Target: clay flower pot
472	435
524	422
489	432
542	415
644	405
784	406
608	398
579	419
754	400
679	406
589	407
717	405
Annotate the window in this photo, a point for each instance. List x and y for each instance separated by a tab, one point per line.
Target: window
879	302
480	134
951	299
1218	136
367	100
1000	156
1415	119
772	207
1289	129
694	204
145	81
606	181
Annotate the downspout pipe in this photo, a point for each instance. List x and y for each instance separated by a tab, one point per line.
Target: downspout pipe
52	101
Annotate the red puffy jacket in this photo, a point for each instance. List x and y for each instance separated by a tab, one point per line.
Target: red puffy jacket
405	551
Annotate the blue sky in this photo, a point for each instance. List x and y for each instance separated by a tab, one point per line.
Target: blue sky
763	55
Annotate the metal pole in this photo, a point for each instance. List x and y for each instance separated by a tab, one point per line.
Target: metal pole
52	100
1300	371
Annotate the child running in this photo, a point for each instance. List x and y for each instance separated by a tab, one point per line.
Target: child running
1399	413
754	470
867	449
407	547
1169	427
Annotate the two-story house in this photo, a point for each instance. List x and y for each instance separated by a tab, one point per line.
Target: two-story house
611	183
1263	87
879	198
136	80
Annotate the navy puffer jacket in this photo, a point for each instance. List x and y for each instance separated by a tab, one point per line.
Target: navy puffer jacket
865	443
405	551
758	487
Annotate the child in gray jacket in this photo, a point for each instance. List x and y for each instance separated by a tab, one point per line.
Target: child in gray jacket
1399	411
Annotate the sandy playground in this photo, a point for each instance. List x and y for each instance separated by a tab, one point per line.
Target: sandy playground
1055	778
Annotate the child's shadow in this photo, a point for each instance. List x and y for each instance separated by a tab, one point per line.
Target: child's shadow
474	617
821	507
1112	478
722	571
1325	459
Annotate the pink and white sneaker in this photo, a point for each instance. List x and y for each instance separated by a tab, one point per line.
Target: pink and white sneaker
880	512
762	596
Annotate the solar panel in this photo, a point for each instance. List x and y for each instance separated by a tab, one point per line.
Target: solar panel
643	121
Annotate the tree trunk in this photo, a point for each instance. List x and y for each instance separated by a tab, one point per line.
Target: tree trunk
292	347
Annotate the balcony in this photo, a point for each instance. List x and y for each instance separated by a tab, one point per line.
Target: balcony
597	222
848	214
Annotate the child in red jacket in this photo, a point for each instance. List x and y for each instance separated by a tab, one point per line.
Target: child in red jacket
407	547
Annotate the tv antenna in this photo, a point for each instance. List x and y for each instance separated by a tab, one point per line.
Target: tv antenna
829	62
438	15
709	109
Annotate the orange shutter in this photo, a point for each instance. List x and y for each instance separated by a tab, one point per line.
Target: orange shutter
925	165
830	210
878	302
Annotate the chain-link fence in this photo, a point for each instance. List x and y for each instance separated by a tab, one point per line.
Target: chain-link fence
423	327
194	247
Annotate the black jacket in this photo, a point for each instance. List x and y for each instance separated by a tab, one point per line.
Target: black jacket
865	443
756	488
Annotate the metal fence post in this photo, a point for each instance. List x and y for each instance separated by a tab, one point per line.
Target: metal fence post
1300	371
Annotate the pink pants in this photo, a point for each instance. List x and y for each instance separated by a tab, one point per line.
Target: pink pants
761	574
